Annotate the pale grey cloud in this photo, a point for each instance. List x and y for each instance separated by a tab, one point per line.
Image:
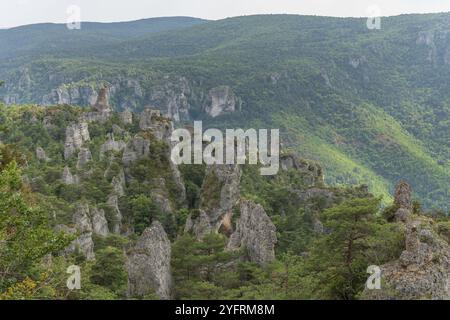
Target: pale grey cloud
20	12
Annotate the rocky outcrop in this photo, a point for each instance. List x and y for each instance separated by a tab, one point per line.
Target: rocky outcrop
111	145
402	195
136	148
312	173
148	264
255	232
160	127
83	243
161	196
84	156
222	100
101	109
172	97
113	203
118	184
219	196
99	222
81	218
81	95
423	269
126	117
102	103
76	136
41	155
83	228
88	219
68	178
148	118
403	201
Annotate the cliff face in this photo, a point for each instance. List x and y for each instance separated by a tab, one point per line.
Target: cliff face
175	96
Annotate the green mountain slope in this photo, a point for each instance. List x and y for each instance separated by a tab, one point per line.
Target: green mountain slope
371	105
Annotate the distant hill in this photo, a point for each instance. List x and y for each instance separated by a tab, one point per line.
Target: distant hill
46	37
371	105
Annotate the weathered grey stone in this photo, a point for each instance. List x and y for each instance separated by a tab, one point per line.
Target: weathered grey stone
113	203
75	95
83	243
118	184
99	222
220	194
423	269
402	195
312	173
136	148
126	117
40	154
68	178
101	109
76	136
255	232
102	104
172	96
148	264
81	218
84	156
222	100
402	199
160	127
111	145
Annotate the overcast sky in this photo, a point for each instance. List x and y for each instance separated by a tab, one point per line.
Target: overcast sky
21	12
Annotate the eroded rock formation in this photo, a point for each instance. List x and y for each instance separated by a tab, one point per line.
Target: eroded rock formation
136	148
219	196
222	100
76	135
255	232
402	199
148	264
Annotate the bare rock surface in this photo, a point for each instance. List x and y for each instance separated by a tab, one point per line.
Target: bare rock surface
148	264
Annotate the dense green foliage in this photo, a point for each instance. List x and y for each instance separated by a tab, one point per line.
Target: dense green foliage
370	105
327	264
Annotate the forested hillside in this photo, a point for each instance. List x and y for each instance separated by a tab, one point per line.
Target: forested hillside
372	106
96	189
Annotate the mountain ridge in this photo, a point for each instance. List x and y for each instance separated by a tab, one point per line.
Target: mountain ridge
375	101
